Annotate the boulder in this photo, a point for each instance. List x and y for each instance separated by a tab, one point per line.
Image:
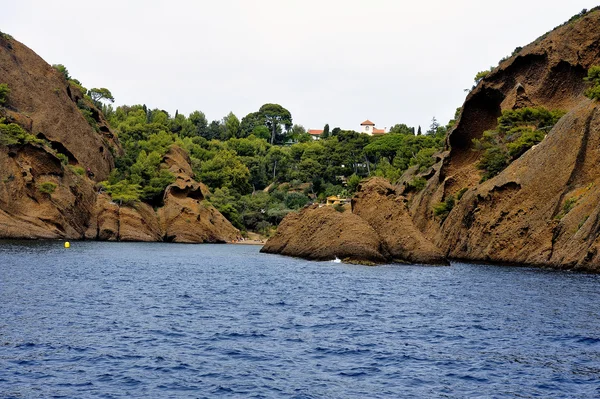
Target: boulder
322	233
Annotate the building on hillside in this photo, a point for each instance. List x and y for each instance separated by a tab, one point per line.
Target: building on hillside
337	200
368	127
315	133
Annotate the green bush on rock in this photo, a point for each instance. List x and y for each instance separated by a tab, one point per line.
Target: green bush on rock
442	210
11	134
518	130
47	187
122	191
4	92
593	77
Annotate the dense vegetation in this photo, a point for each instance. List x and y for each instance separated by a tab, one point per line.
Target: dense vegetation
518	130
255	183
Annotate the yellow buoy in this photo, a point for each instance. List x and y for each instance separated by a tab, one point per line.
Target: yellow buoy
67	244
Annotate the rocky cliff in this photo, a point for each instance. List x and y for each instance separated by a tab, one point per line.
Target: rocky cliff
544	209
45	189
184	217
521	216
376	229
43	192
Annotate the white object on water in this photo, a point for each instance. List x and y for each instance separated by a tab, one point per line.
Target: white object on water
337	260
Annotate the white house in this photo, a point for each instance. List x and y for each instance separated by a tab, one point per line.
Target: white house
369	128
315	133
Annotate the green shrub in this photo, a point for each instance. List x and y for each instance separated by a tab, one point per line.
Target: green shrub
442	210
11	134
593	77
5	36
578	16
62	70
295	200
63	158
493	161
424	158
480	76
4	92
339	207
518	130
78	170
516	51
538	117
353	182
122	191
225	201
418	183
47	187
569	204
527	139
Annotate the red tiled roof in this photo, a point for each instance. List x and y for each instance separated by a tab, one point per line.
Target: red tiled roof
378	131
315	132
367	122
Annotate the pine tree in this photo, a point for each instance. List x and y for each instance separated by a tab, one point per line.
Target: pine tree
325	133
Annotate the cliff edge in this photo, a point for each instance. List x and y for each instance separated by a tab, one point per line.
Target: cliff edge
542	209
52	155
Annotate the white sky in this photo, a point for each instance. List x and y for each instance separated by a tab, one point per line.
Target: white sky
329	61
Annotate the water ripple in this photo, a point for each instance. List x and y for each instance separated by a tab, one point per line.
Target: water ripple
112	320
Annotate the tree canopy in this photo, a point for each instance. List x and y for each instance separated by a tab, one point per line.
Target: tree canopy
256	179
101	94
275	116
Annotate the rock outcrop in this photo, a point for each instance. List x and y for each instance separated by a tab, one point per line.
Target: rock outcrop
324	234
184	217
45	188
376	229
544	209
382	208
45	104
41	194
549	73
540	210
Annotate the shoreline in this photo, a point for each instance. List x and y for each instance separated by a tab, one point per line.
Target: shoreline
247	242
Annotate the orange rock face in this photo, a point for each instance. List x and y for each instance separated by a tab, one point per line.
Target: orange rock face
324	234
377	229
519	215
184	217
45	105
383	209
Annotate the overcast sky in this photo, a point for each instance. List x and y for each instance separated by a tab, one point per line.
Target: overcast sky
329	61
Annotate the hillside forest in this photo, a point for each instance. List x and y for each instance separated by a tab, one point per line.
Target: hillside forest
264	166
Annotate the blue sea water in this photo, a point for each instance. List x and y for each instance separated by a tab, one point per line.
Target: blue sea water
135	320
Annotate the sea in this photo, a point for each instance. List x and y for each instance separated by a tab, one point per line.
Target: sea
164	320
